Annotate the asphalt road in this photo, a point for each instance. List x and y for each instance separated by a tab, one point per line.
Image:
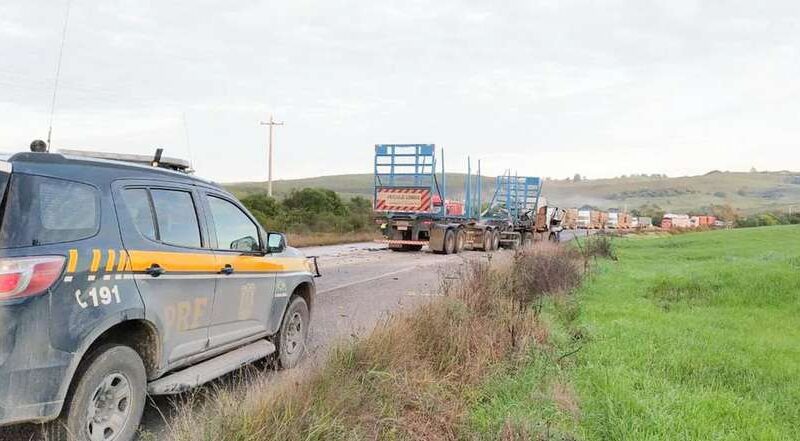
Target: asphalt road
361	284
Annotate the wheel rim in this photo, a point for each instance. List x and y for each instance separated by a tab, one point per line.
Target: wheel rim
110	408
294	334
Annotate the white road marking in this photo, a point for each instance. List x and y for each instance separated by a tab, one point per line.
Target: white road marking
371	279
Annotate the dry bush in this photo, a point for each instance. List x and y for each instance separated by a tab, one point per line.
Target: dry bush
600	245
411	378
541	271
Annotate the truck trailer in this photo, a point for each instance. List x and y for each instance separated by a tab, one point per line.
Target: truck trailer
592	219
411	204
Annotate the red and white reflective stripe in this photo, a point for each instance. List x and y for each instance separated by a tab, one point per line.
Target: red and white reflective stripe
403	242
424	202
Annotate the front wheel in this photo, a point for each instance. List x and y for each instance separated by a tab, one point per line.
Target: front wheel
108	400
293	334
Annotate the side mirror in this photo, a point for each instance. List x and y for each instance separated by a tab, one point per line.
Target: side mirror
276	243
247	244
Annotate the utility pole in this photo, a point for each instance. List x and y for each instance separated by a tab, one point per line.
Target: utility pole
271	124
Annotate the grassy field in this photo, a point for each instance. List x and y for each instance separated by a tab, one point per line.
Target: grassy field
684	337
749	192
695	337
690	337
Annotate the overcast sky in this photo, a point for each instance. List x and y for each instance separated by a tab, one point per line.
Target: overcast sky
547	88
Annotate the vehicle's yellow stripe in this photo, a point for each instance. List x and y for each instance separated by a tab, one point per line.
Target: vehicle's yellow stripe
73	261
96	256
123	260
208	262
110	262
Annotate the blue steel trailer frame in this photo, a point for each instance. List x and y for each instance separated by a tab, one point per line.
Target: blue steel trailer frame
408	166
413	167
516	195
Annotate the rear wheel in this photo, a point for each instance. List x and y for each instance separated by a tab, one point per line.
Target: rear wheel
494	240
461	239
527	240
449	242
293	334
108	400
488	241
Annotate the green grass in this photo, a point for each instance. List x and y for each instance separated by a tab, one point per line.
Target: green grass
690	337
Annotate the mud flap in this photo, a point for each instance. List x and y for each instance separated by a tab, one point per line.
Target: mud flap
438	233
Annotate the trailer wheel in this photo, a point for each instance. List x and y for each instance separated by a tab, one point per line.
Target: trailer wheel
461	239
495	240
488	241
527	240
449	242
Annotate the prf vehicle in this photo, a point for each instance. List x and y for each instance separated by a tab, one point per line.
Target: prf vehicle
119	280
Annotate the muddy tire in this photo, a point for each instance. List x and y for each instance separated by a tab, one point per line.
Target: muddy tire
293	336
461	240
449	242
527	240
107	401
495	241
488	241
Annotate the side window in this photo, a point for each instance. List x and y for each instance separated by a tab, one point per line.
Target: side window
41	211
176	217
138	203
235	231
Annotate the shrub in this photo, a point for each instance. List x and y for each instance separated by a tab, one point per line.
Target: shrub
541	271
413	377
600	245
311	210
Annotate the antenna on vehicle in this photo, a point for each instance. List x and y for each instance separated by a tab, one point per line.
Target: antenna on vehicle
58	75
157	157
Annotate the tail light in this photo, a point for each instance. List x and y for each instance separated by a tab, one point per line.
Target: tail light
28	276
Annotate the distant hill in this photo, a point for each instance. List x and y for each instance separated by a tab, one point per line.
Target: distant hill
748	192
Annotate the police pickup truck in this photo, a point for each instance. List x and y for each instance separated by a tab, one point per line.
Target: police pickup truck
122	278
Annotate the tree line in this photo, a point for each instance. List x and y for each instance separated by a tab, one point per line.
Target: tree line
311	210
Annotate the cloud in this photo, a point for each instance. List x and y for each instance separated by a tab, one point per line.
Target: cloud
551	87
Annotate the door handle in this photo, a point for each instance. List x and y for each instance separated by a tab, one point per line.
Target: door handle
155	270
227	269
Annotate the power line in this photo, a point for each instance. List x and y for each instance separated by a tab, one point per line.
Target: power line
58	73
